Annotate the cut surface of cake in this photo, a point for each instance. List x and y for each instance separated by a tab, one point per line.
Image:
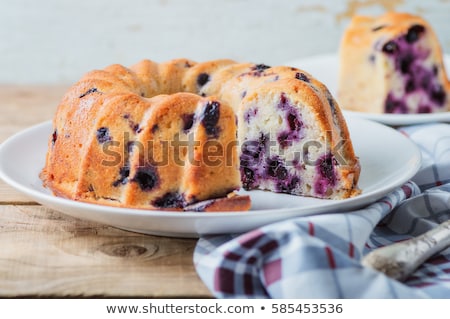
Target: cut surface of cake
183	135
295	146
392	63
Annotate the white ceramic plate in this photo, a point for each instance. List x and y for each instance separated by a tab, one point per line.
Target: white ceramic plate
326	67
385	165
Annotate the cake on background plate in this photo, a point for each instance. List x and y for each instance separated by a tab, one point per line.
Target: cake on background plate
392	63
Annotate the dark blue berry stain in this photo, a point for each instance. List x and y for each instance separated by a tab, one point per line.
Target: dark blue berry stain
251	161
247	178
414	33
260	67
188	121
284	139
136	128
404	63
435	69
277	172
326	176
146	177
257	70
54	136
170	200
276	169
294	123
133	126
410	86
418	79
124	173
250	114
289	185
284	103
90	91
210	118
293	133
103	135
394	105
301	76
438	94
202	79
257	165
390	47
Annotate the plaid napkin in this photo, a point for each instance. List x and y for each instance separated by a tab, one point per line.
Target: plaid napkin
319	256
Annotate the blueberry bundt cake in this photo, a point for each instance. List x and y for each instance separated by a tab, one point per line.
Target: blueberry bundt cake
183	135
392	64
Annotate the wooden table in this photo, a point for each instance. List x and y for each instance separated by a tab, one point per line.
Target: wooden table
47	254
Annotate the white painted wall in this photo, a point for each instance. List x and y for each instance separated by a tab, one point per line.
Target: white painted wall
54	41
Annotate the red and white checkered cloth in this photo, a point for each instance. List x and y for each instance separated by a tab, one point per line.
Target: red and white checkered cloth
319	256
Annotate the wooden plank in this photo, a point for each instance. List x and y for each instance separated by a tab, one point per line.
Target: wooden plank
45	253
24	106
9	195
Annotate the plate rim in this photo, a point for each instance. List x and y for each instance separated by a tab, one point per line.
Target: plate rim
60	204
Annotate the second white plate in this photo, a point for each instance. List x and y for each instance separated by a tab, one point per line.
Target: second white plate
388	159
326	69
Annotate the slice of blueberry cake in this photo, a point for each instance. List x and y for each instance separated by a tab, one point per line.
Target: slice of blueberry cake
392	64
293	138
